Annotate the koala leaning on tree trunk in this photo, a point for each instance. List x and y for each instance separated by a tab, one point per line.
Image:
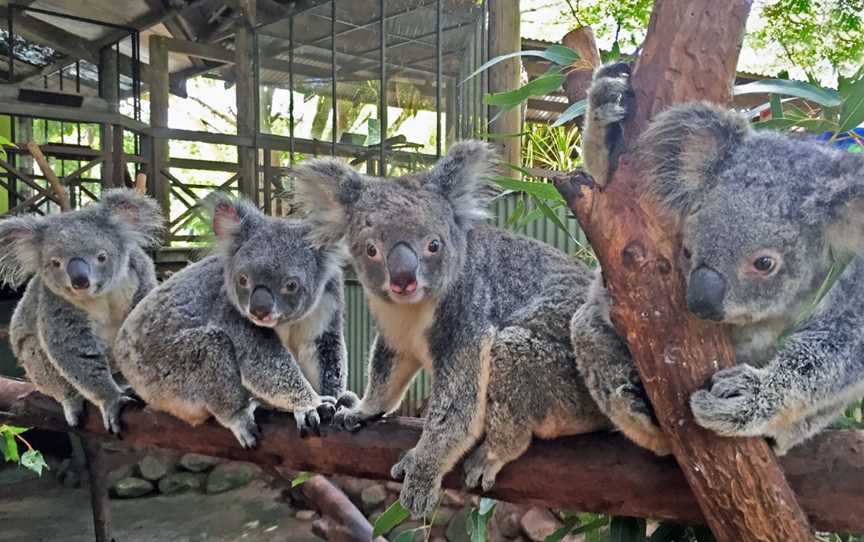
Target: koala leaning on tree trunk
485	311
767	218
88	270
261	319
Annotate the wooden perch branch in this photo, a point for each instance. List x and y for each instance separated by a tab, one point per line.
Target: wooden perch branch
53	180
690	53
599	472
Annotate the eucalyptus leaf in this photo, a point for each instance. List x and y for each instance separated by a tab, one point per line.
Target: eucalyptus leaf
393	516
852	113
33	460
575	110
822	96
557	54
301	478
545	191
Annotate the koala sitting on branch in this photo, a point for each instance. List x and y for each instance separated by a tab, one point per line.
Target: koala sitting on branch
766	217
260	319
88	270
485	311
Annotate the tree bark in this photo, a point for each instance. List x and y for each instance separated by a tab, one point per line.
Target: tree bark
690	53
599	472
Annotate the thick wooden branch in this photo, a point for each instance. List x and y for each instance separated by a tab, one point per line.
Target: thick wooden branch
690	53
599	472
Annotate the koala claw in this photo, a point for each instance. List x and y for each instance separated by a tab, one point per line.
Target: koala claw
420	487
480	472
352	419
327	409
247	435
111	410
347	400
731	407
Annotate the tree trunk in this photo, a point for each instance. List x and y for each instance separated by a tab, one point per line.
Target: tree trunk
690	53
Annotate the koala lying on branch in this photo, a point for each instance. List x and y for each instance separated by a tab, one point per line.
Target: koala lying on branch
260	319
485	311
766	218
89	269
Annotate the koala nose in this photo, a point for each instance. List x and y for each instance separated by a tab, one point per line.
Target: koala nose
705	293
261	303
402	265
79	273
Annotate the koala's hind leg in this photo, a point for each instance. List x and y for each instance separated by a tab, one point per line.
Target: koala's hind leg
610	374
48	379
507	437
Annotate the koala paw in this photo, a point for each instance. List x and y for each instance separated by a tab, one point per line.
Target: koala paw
734	404
348	399
111	410
421	485
352	419
480	470
244	427
632	414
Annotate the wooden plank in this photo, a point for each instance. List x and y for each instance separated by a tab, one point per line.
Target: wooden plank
598	472
206	165
504	24
73	114
159	99
246	92
203	137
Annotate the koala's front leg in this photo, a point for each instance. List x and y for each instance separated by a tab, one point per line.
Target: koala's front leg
389	374
81	357
271	373
453	423
610	100
332	358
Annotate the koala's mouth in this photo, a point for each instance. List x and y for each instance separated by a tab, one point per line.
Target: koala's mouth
407	298
270	321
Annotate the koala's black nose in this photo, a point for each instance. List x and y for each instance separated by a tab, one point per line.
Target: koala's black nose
705	293
79	273
402	265
261	303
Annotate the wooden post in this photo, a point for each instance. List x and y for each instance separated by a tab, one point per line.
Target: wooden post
159	119
246	94
118	164
99	500
690	53
505	37
108	91
53	180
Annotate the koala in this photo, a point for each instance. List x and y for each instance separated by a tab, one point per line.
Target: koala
88	269
260	319
485	311
765	218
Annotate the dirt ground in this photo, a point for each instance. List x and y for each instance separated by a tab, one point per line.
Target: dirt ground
41	510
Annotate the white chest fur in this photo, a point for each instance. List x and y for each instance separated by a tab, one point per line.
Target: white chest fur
108	311
404	327
299	338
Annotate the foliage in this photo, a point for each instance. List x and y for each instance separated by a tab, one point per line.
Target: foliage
31	459
478	519
301	479
625	20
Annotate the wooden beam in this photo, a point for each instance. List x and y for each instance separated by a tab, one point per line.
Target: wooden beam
689	53
246	93
599	472
43	33
504	38
159	98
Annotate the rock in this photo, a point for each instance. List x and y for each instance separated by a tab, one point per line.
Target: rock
372	497
508	517
306	515
457	529
443	516
393	487
228	476
151	468
538	523
353	488
181	482
126	471
198	462
129	488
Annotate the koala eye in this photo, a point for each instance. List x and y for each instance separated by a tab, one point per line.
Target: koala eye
102	257
434	246
291	286
764	264
55	262
243	281
371	251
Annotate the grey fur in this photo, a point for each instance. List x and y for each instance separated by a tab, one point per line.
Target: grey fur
746	195
63	337
193	349
488	320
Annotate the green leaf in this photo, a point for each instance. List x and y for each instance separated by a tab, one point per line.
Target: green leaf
558	54
545	191
799	89
10	447
517	213
623	529
14	429
408	535
478	519
776	107
487	506
301	478
575	110
393	516
33	460
553	216
852	113
541	86
568	526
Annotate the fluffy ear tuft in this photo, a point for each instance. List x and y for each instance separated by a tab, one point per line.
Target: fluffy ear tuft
231	215
839	202
461	175
139	214
20	237
326	189
684	146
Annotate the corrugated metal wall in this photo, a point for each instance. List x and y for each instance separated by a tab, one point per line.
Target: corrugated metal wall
360	327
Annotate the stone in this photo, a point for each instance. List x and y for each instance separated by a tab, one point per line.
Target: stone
538	523
130	488
443	516
198	462
181	482
394	487
227	476
306	515
508	518
126	471
372	497
151	468
457	529
353	488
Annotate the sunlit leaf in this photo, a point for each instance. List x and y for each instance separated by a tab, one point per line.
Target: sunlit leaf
33	460
822	96
575	110
10	447
558	54
393	516
852	113
301	478
540	86
545	191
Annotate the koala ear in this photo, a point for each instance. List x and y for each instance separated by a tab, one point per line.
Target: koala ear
685	146
840	198
139	214
20	237
326	189
230	217
460	176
